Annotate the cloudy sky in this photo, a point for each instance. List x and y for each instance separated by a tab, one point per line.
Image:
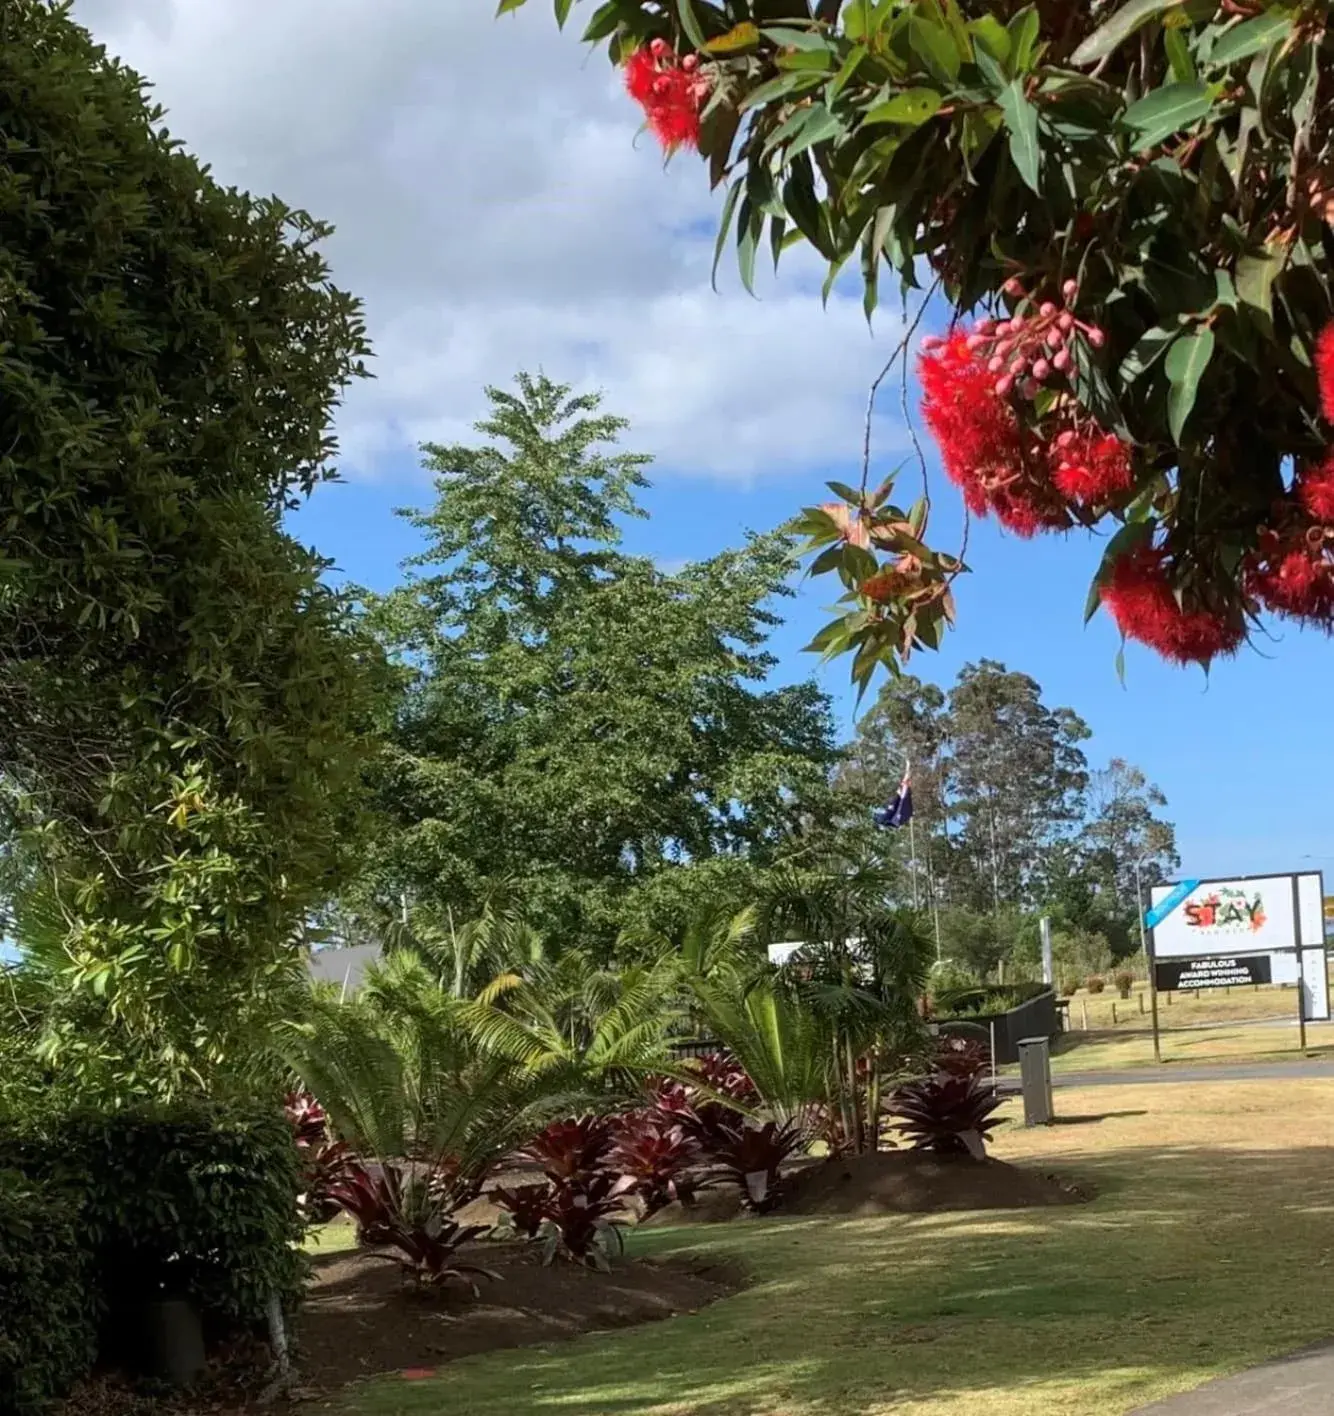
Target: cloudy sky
497	210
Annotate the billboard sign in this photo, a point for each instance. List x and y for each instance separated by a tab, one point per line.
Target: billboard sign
1174	974
1274	915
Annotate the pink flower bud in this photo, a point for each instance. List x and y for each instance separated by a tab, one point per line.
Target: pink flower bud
1061	360
662	86
1066	438
1096	337
1066	323
1030	388
1047	310
985	327
1004	385
995	364
1041	369
658	47
1055	339
1070	289
690	63
973	343
1018	365
1006	327
1013	286
1005	347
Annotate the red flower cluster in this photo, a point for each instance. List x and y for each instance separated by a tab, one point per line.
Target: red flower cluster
1092	467
1023	474
1143	602
670	89
1324	369
1315	490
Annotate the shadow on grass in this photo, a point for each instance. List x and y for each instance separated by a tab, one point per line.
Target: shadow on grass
1092	1120
1189	1264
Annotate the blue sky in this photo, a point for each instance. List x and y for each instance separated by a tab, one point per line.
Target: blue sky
497	210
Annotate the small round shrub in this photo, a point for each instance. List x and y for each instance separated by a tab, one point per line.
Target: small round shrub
1069	988
1124	983
1095	984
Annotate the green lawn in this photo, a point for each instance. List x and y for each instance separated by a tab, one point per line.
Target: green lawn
1241	1042
1210	1247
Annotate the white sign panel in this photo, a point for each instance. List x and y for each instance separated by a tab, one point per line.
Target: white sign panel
1253	915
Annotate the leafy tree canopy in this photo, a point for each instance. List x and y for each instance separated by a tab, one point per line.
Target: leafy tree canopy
179	692
573	720
1135	196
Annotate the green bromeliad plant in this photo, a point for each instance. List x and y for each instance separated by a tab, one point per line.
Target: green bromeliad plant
1128	205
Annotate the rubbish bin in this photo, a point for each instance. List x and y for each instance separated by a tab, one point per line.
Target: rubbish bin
1035	1079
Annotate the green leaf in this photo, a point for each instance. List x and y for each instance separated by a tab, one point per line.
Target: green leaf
912	107
849	70
749	225
992	36
1147	351
1025	27
725	225
506	6
935	47
820	126
1021	118
689	23
1255	279
1166	111
604	23
1249	38
1186	362
1118	29
740	37
780	87
563	8
1121	663
1178	55
796	38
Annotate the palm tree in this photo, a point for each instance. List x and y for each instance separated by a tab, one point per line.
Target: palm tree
581	1027
467	957
861	972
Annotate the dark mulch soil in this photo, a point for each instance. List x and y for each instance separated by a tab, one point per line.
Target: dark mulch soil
891	1182
361	1320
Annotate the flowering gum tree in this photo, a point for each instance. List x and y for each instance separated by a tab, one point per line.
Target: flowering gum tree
1128	204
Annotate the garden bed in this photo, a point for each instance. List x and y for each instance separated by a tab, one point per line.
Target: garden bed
892	1182
361	1319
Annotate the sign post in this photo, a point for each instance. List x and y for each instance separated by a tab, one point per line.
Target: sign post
1048	970
1254	929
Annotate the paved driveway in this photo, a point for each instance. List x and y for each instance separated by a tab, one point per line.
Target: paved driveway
1299	1385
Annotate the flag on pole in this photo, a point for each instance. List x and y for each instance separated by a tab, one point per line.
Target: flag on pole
899	811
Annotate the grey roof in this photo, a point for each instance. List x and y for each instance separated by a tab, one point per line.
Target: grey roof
344	967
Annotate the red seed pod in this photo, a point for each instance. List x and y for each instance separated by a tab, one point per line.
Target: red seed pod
1041	369
1096	337
1055	339
986	327
1066	323
1047	310
1006	346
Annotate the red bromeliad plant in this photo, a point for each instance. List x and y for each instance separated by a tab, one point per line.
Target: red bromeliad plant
654	1160
324	1161
580	1221
525	1206
947	1114
571	1150
965	1057
751	1157
393	1209
1135	198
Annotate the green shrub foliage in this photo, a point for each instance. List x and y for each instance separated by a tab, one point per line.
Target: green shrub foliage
193	1201
46	1317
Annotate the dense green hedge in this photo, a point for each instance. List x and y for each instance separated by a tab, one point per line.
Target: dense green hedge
47	1318
192	1200
985	1000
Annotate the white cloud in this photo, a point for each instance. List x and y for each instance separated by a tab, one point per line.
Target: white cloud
495	212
